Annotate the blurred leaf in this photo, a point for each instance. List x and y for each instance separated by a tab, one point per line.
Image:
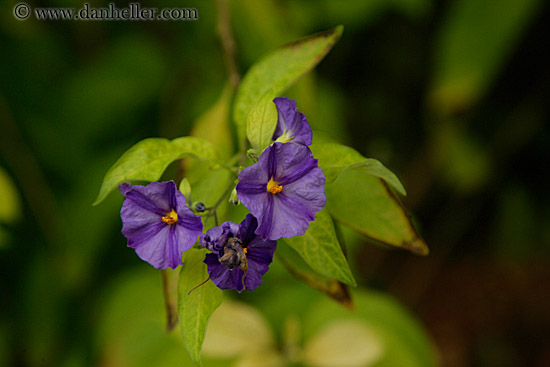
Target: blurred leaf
262	121
131	324
114	85
230	329
300	269
462	161
278	70
148	159
213	125
473	45
323	103
185	188
260	28
400	337
366	204
344	343
195	309
334	158
320	249
515	234
10	202
266	358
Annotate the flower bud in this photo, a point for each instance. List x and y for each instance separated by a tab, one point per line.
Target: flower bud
234	199
199	207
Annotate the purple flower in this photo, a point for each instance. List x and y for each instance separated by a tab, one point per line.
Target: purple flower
157	223
239	258
284	190
292	125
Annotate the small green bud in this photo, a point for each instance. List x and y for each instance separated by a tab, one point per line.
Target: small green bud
253	154
234	199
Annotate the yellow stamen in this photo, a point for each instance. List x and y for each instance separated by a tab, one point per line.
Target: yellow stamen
245	250
170	218
273	187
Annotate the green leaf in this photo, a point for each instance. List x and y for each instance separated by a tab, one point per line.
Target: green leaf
334	158
366	204
148	159
10	205
195	309
278	70
399	337
262	121
376	168
344	343
320	249
185	188
301	270
230	330
213	125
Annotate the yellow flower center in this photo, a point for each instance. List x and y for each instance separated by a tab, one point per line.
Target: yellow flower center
273	187
170	218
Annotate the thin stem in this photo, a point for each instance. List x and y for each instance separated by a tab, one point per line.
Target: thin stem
228	43
169	287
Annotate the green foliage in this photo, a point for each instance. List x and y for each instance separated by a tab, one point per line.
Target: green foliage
301	270
10	205
196	307
389	334
335	158
213	125
320	249
365	203
75	95
461	80
278	70
147	160
262	121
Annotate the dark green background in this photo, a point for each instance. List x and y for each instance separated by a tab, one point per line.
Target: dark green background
451	95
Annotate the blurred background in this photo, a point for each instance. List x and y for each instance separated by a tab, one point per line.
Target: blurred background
450	95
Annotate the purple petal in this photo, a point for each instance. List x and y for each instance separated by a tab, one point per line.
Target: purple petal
156	242
293	121
124	188
186	218
157	250
261	251
265	217
257	174
247	228
216	237
288	213
153	197
297	205
293	161
222	276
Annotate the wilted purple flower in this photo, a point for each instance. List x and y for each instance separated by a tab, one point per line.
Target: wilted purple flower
292	125
284	190
157	223
239	257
